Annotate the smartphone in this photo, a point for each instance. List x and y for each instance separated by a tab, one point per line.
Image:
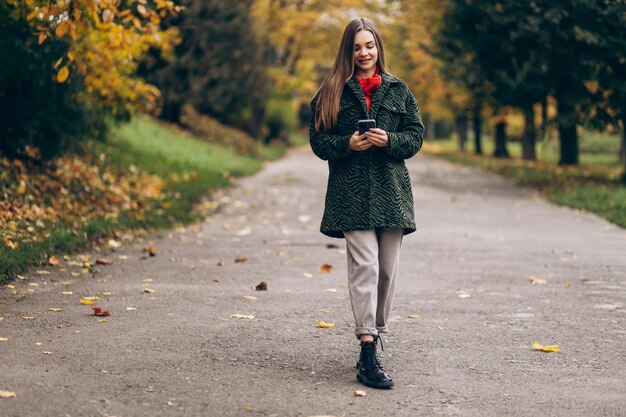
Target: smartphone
365	125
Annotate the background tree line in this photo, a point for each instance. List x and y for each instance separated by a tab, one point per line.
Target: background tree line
255	64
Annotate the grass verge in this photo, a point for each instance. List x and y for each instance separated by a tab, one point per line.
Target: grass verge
187	166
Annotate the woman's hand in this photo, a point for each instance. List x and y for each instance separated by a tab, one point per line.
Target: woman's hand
359	142
377	137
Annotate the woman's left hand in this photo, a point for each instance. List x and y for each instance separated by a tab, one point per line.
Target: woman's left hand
378	137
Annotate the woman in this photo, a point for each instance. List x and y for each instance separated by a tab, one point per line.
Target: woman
369	200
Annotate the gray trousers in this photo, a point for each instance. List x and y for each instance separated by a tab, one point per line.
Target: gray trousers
373	257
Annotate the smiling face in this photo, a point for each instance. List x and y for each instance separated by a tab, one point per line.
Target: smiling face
365	54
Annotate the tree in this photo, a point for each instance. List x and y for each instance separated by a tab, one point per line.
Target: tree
218	66
90	49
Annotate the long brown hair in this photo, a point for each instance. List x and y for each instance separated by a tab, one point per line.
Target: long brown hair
329	94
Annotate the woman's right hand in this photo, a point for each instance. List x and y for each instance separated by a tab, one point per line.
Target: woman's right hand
359	142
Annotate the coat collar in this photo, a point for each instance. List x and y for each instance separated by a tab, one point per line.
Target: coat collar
377	97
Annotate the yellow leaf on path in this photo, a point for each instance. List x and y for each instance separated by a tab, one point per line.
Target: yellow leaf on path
63	74
43	272
536	280
95	297
324	325
67	293
7	394
4	339
87	302
10	286
57	309
326	268
53	261
102	321
29	317
241	316
250	297
540	347
45	352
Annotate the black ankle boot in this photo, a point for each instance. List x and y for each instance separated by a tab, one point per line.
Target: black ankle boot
370	371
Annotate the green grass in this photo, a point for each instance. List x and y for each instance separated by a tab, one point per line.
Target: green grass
155	148
592	186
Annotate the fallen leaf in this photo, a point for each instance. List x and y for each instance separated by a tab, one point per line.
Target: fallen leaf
45	352
104	261
102	321
332	246
262	286
463	294
57	309
248	408
414	316
87	302
93	297
63	74
215	280
331	290
29	317
250	297
53	261
536	280
107	293
67	293
33	284
75	274
151	249
221	262
131	308
113	244
307	275
359	393
540	347
241	316
304	218
326	268
4	339
148	290
42	272
10	286
240	260
569	285
244	232
324	325
7	394
98	312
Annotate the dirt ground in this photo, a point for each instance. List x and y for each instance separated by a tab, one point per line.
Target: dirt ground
491	269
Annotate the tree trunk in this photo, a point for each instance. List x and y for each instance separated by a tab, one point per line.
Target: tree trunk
462	129
530	137
477	121
544	119
501	151
430	126
624	145
568	138
171	111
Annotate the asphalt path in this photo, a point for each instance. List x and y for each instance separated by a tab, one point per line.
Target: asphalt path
491	269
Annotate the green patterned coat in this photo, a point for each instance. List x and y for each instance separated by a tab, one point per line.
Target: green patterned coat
372	188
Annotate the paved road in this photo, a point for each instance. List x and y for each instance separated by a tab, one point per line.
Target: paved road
464	278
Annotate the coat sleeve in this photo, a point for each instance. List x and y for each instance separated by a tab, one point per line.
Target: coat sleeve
407	141
325	145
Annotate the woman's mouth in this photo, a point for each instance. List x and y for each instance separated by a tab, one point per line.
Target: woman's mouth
364	61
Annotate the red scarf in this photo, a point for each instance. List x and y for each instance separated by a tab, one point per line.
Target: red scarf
369	85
